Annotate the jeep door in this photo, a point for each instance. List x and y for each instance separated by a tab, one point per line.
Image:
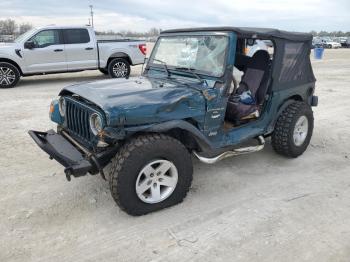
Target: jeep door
80	49
48	54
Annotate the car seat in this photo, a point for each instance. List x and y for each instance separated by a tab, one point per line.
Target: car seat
255	79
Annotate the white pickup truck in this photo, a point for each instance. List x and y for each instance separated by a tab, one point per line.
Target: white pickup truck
56	49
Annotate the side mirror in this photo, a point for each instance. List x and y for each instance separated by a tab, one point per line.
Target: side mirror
29	45
250	42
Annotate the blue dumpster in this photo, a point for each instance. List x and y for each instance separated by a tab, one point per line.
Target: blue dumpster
318	52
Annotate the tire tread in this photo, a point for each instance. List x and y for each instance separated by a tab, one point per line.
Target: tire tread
125	152
281	137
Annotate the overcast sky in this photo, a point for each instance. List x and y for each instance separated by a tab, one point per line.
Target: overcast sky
140	15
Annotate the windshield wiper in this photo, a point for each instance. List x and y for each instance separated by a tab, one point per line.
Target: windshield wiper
164	64
191	70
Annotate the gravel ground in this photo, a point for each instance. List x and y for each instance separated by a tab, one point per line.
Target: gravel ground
257	207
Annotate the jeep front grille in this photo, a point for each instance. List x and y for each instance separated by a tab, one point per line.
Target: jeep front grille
77	119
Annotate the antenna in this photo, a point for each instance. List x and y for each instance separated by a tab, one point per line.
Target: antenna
92	15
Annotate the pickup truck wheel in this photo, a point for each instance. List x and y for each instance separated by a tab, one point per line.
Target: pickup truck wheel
118	68
293	130
9	75
103	71
149	173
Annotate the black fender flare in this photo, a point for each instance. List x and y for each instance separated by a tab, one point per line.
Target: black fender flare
283	106
164	127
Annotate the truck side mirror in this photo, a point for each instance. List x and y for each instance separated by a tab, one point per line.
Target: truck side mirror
250	42
29	45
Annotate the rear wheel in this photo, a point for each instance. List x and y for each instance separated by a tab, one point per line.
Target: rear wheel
293	130
119	68
149	173
9	75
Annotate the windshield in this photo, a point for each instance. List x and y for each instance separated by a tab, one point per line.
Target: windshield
24	36
204	54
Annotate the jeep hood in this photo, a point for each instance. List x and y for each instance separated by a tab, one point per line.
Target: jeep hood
141	100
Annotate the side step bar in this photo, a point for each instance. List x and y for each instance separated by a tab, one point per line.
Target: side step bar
235	152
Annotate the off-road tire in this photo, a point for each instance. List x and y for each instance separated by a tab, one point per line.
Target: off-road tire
16	74
122	62
130	160
103	71
282	137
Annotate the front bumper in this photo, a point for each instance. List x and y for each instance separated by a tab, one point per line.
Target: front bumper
60	149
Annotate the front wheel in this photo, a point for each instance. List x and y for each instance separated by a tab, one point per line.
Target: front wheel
9	75
119	68
149	173
293	130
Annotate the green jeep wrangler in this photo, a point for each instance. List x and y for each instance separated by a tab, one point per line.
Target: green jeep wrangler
200	94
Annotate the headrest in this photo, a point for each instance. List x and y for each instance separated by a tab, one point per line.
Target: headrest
259	60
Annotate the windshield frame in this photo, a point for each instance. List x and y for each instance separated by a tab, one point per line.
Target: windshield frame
173	69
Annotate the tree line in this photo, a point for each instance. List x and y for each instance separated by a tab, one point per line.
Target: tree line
124	33
11	27
332	34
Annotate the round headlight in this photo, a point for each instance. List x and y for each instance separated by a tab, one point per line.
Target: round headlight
95	123
62	106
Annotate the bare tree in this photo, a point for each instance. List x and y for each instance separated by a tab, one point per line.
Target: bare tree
24	27
153	32
8	27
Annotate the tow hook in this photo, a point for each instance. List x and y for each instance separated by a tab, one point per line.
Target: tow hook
100	170
68	173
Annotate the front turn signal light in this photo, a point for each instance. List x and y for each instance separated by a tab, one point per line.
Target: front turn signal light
52	109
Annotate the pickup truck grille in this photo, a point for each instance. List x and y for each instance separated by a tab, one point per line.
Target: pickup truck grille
77	119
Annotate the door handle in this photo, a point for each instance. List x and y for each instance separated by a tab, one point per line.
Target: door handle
89	48
215	116
58	50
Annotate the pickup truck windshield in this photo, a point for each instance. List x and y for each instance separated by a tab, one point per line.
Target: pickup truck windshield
21	37
202	54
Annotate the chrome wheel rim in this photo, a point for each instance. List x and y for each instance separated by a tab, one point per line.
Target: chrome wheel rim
120	69
7	76
156	181
300	130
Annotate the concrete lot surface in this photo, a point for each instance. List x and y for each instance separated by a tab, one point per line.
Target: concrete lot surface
257	207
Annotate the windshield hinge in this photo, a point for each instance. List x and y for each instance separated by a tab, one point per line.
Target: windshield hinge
207	95
122	120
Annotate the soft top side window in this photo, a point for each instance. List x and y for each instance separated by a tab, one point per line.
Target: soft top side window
294	63
76	36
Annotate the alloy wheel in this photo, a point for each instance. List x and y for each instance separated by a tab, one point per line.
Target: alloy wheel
7	76
156	181
120	69
300	130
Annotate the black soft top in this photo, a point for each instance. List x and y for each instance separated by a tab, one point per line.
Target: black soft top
250	32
